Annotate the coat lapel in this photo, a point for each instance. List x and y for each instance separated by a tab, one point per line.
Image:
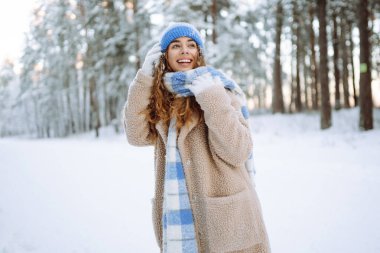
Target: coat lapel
185	130
163	129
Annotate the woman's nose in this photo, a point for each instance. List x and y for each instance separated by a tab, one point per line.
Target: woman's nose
185	50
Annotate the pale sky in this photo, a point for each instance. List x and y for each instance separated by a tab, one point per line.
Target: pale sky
15	16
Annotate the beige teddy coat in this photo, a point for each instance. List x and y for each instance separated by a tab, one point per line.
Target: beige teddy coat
226	209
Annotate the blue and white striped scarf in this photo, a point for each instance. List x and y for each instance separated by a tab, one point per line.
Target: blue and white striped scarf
178	223
177	220
177	82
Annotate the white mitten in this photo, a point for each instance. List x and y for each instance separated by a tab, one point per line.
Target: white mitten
202	83
151	60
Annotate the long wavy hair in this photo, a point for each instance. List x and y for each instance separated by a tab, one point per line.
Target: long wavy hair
163	104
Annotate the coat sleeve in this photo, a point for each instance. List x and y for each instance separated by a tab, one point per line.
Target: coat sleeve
135	124
228	132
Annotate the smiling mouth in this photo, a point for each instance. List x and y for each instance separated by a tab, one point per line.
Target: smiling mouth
184	61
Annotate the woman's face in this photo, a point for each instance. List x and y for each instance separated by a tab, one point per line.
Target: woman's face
182	54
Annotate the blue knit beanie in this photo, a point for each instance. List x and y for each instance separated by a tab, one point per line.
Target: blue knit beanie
177	30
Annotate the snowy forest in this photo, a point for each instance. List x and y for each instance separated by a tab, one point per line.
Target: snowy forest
71	182
289	56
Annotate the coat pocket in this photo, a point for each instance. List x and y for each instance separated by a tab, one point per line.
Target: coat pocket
231	222
156	218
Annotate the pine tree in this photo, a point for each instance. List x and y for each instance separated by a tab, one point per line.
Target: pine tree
365	98
323	68
278	102
335	42
313	60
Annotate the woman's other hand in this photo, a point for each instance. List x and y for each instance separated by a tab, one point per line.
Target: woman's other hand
202	83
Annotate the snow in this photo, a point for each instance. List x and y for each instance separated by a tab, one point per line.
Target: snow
319	190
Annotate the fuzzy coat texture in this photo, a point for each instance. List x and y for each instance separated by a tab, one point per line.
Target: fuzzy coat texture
227	212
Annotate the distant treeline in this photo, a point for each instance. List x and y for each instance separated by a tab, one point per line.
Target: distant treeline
289	56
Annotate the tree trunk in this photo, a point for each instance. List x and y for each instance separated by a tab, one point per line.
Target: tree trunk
66	85
306	73
85	119
352	65
292	95
336	61
297	35
84	74
343	36
214	15
137	36
278	101
323	69
365	96
313	62
94	107
79	114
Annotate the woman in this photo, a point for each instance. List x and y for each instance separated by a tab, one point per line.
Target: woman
205	200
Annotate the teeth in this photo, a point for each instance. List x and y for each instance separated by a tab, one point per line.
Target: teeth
184	60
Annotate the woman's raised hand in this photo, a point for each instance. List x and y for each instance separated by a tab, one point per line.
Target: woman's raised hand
151	60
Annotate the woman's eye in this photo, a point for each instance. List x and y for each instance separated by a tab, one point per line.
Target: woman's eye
175	46
192	45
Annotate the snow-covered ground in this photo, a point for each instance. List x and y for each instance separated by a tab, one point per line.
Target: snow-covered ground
320	190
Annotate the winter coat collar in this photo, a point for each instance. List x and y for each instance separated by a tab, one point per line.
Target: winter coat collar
163	128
